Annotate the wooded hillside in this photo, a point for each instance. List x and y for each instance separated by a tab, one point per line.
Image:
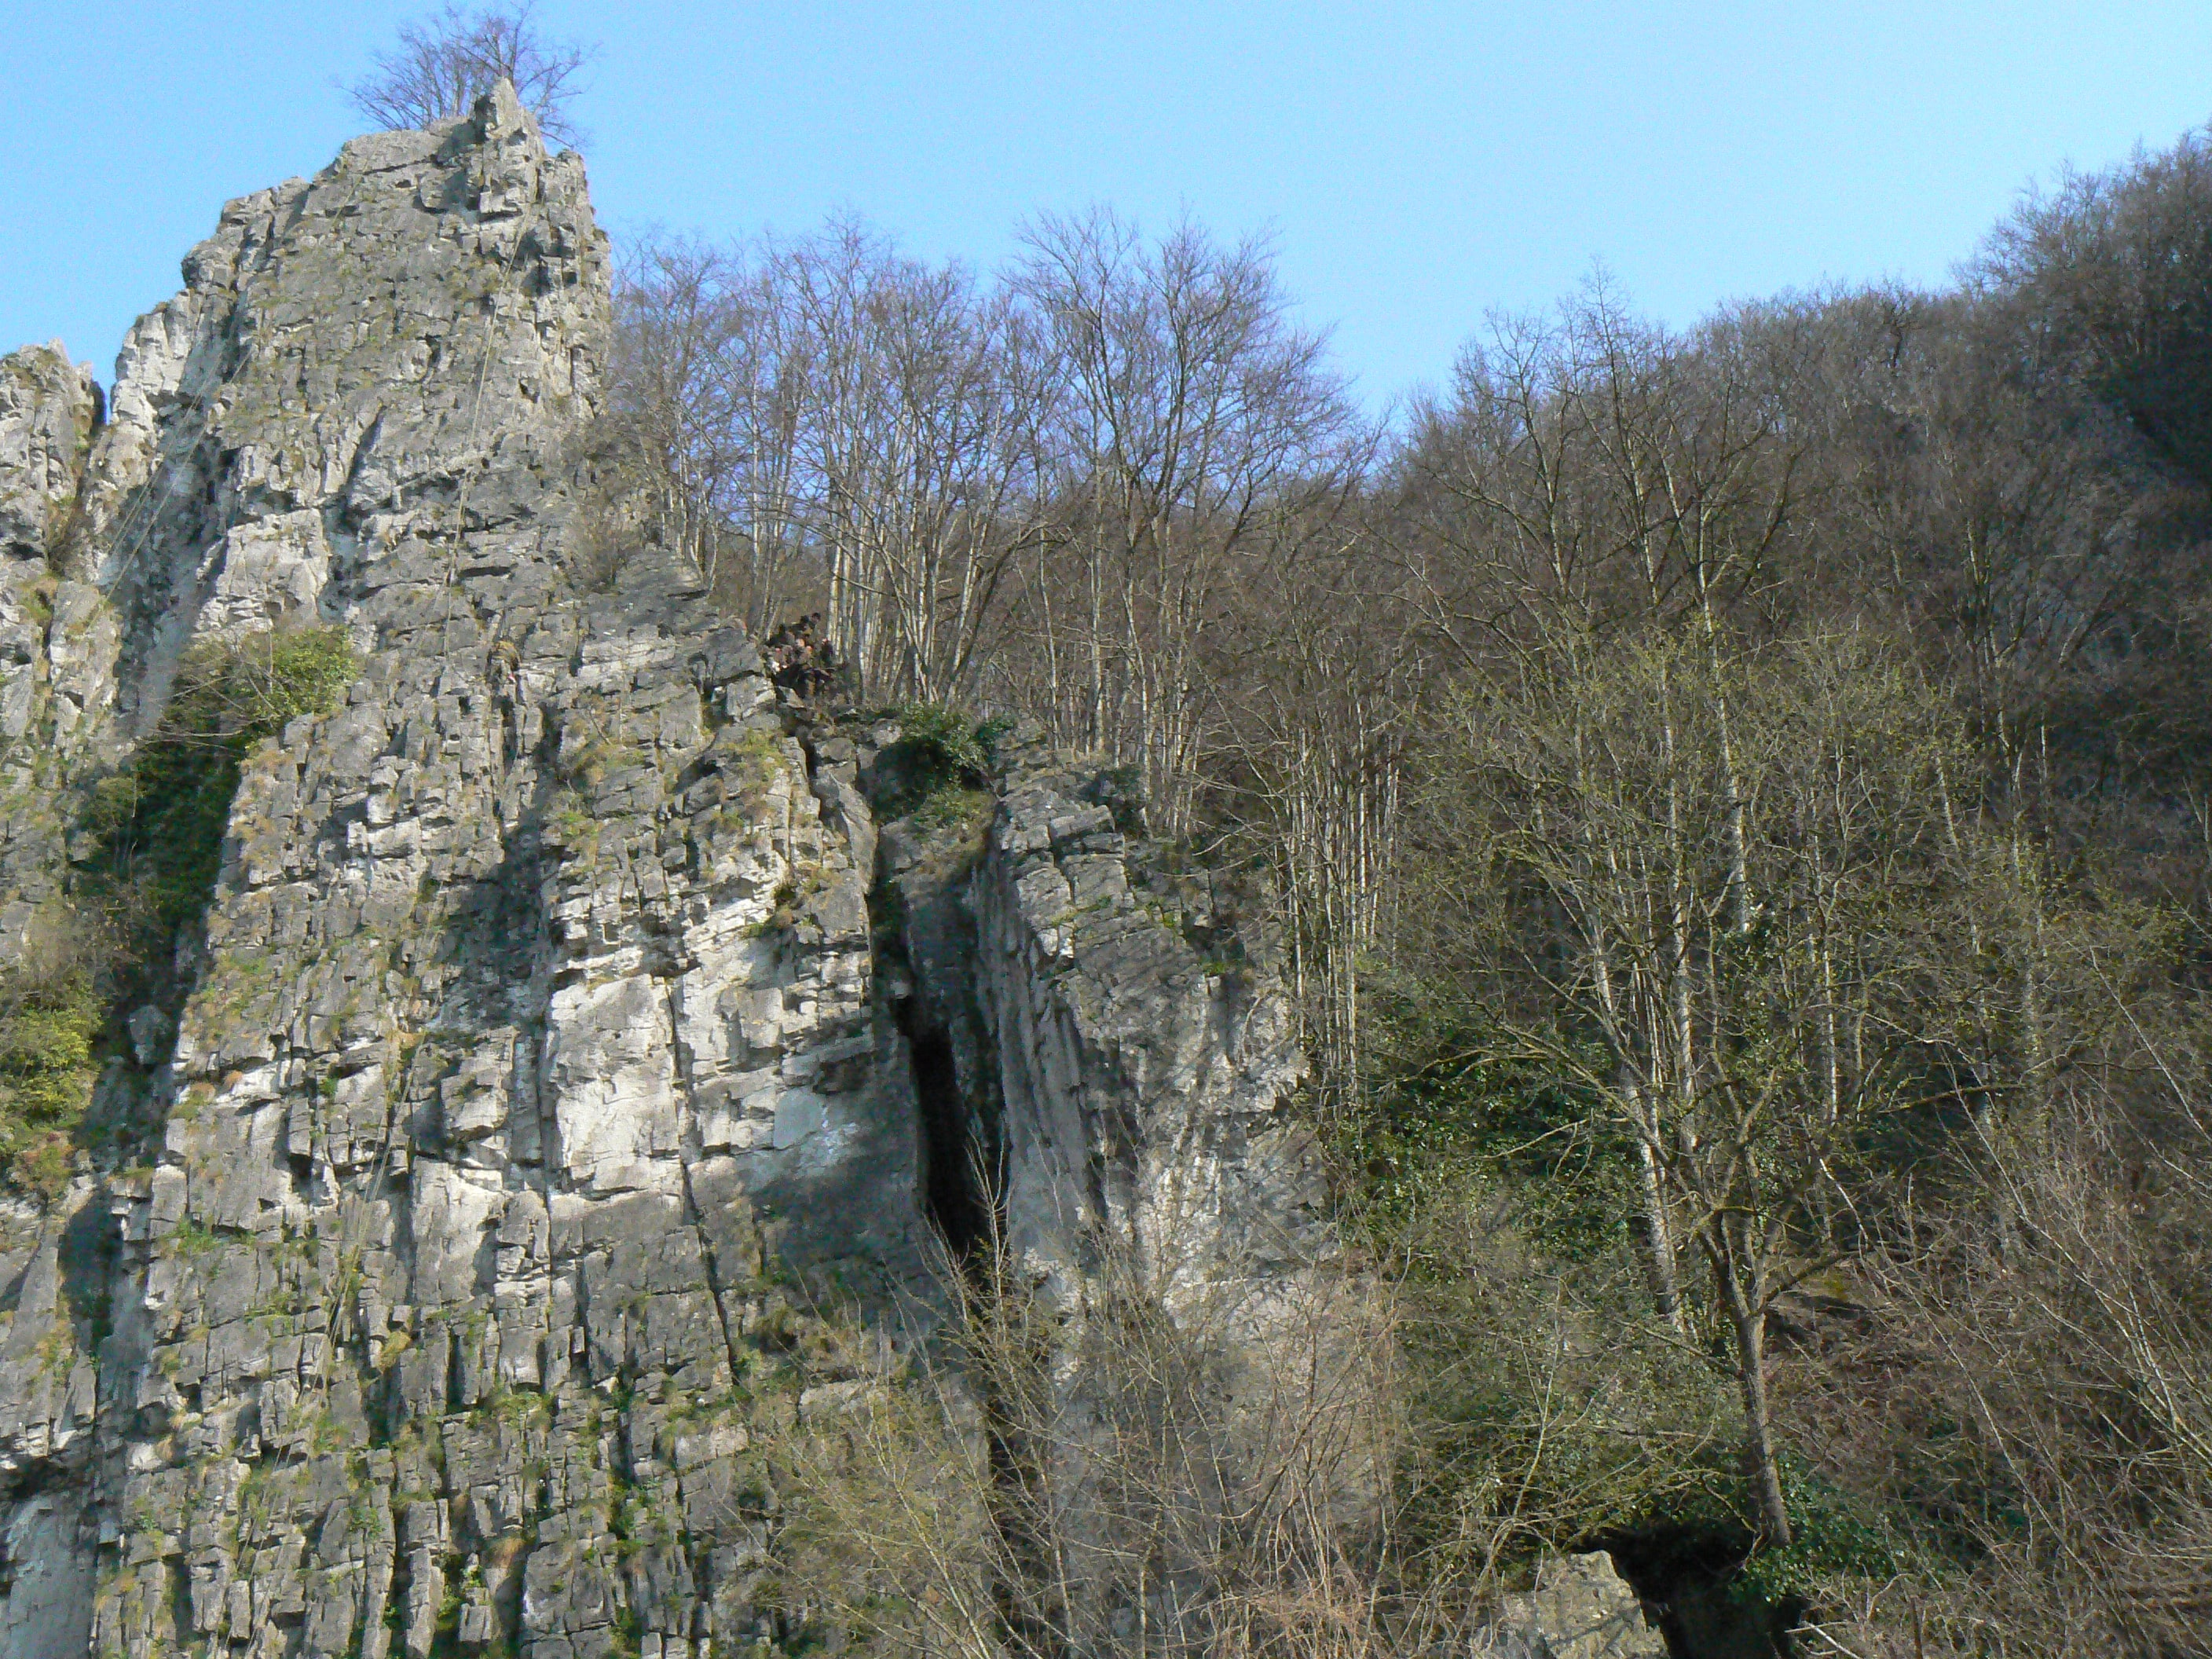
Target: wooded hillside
1739	803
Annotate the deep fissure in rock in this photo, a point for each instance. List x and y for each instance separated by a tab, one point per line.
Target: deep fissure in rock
952	1184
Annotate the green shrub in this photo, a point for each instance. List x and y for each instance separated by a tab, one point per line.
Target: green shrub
942	740
44	1051
1447	1101
48	1021
952	805
44	1165
939	750
1839	1544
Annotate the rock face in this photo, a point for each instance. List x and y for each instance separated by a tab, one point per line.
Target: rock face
532	1035
534	1138
1580	1608
1116	1032
48	413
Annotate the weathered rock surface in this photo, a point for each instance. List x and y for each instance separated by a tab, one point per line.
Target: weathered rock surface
1134	1087
536	1140
1580	1608
49	411
533	1039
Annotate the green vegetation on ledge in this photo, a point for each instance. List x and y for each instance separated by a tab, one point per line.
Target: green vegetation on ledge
160	820
940	762
158	827
50	1014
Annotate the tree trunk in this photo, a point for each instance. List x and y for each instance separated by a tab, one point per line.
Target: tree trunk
1657	1241
1748	1322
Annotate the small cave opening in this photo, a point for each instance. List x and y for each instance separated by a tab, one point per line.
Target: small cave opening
953	1184
1684	1576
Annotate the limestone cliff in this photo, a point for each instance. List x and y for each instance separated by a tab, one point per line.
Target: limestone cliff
539	1122
57	645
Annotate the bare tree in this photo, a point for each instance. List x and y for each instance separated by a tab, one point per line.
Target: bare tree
1195	437
1593	479
444	62
1614	822
918	443
821	420
2111	267
709	401
1320	687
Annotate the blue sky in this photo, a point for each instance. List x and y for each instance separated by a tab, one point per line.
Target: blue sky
1419	164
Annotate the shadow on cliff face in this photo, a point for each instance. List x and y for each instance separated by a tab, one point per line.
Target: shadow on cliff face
925	929
86	1259
954	1193
922	771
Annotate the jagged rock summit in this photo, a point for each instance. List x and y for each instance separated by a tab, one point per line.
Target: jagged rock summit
532	1127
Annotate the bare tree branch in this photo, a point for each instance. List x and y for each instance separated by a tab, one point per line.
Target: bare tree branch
444	62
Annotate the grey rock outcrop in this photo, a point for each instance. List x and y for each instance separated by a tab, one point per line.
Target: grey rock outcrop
1145	1084
49	409
1122	1056
1112	1101
534	1009
532	1140
1580	1608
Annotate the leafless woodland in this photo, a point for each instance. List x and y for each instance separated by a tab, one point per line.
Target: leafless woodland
1737	804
